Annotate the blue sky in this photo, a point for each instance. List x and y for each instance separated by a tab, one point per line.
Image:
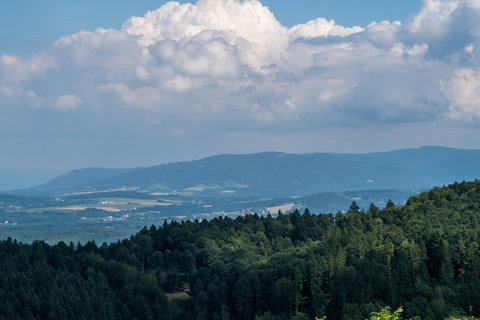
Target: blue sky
29	26
104	83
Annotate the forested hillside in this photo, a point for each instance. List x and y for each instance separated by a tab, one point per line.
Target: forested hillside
424	256
275	173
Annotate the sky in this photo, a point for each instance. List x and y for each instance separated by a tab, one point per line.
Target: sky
119	83
29	26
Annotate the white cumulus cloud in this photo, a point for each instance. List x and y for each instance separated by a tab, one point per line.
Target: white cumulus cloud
463	92
322	27
248	25
68	102
232	63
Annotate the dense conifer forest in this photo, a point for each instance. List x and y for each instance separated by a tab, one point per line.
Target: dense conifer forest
424	256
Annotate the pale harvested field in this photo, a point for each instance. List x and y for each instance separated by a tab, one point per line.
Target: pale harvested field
82	208
284	208
140	202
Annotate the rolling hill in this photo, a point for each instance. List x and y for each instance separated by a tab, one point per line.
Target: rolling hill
277	173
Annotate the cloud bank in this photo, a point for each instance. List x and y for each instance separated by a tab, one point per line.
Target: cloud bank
230	65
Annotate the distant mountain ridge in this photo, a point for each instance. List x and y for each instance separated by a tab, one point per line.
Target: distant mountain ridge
83	178
282	173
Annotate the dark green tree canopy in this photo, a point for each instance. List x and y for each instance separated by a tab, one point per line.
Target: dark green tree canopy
423	256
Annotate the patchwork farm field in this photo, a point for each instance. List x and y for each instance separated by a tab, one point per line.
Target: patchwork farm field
110	216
